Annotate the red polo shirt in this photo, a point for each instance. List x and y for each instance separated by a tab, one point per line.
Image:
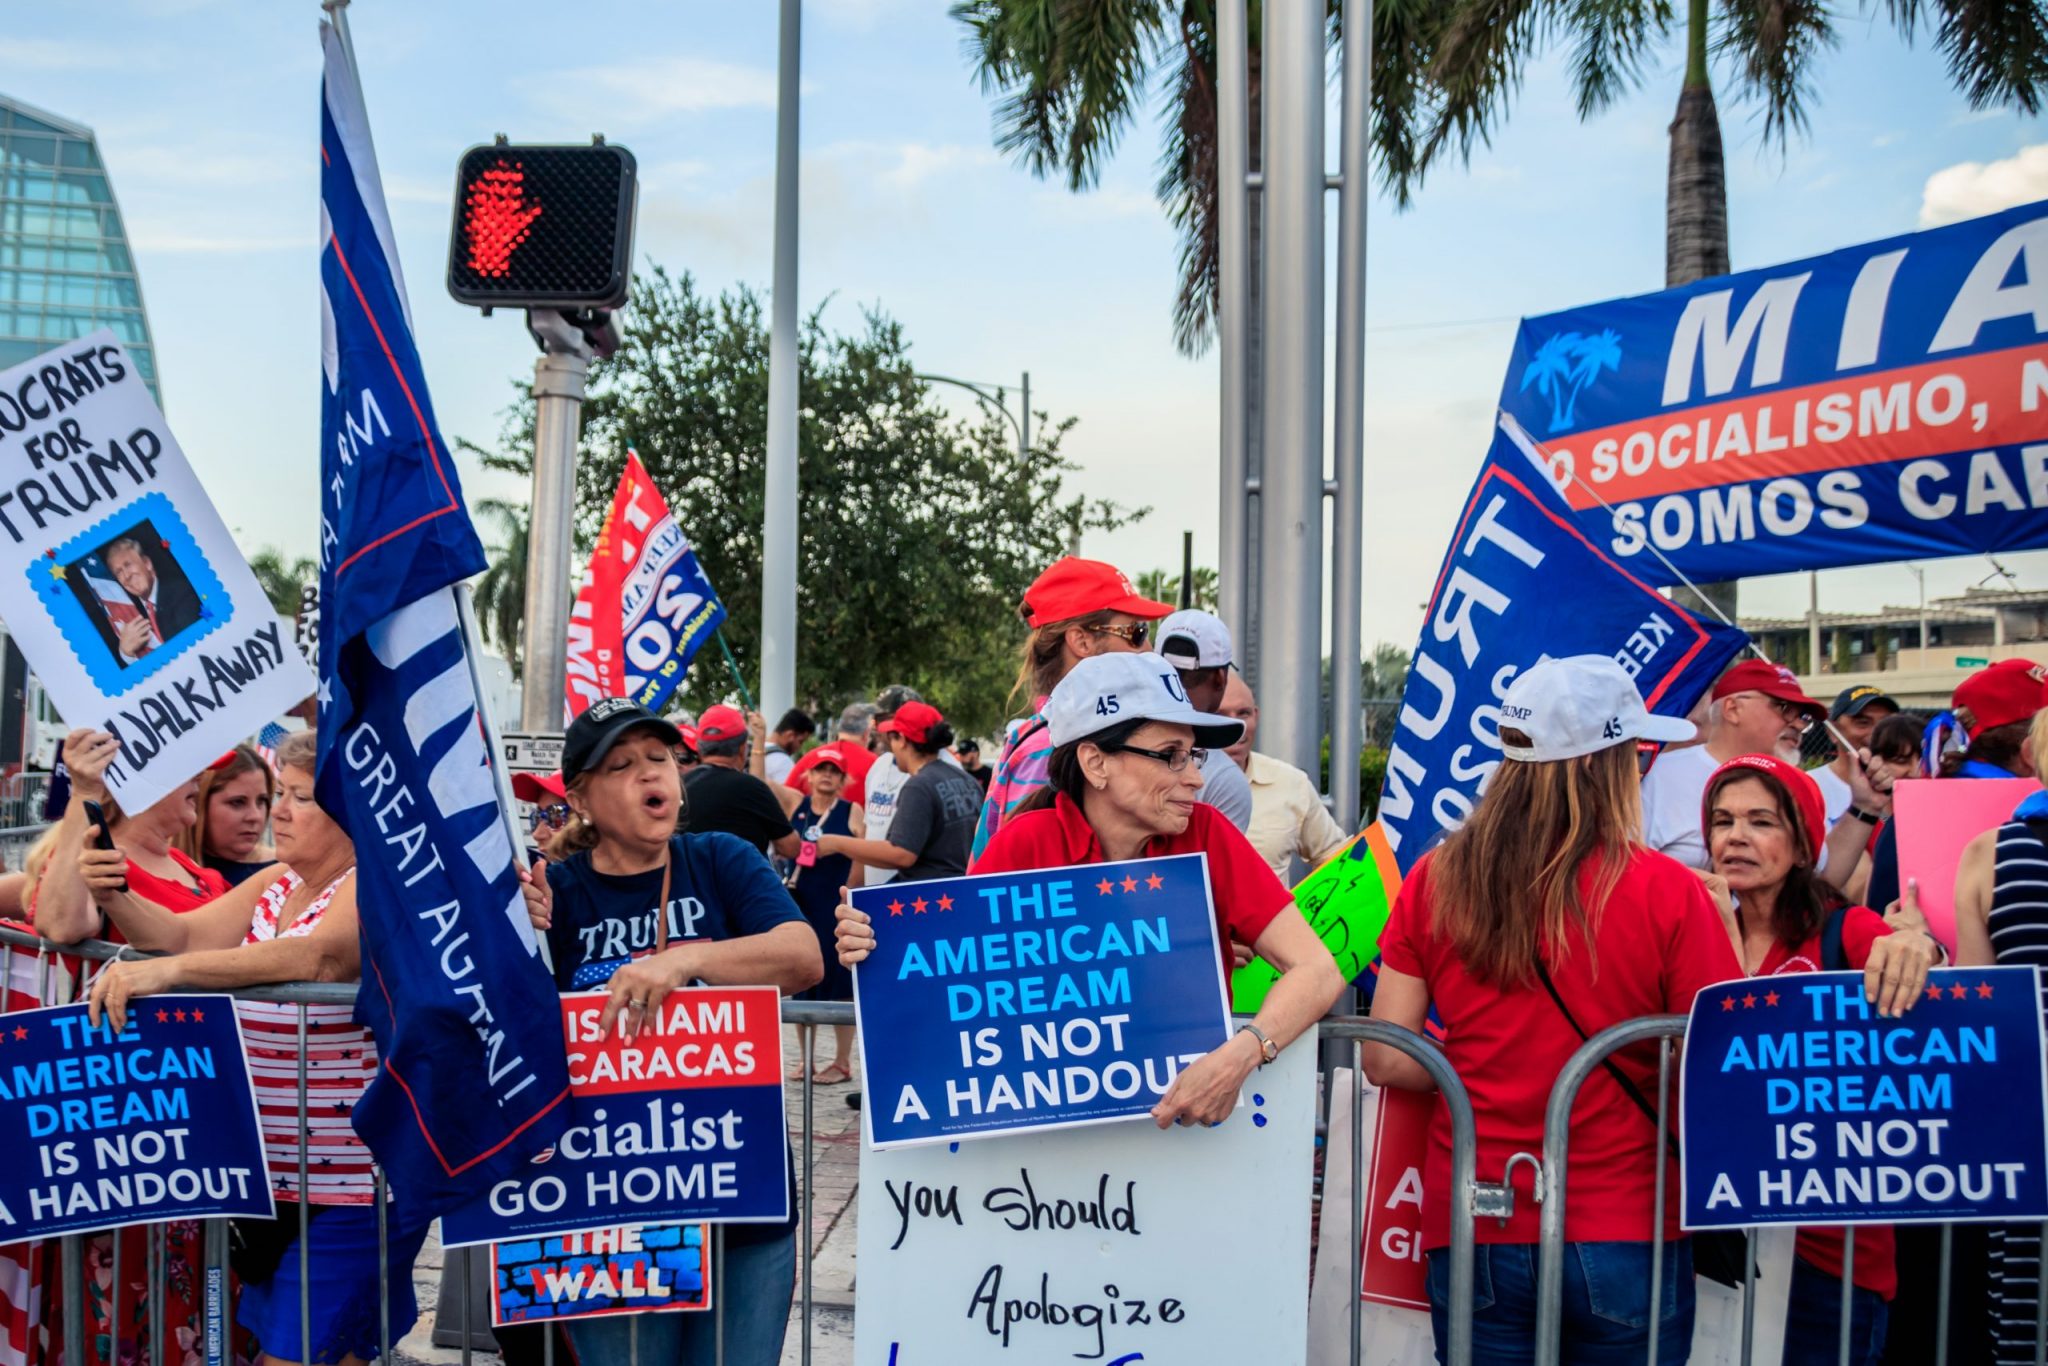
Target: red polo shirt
1247	894
1656	942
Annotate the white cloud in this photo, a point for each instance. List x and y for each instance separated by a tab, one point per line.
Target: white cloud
644	91
1974	188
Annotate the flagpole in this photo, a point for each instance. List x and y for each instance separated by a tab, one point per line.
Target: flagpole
734	664
501	779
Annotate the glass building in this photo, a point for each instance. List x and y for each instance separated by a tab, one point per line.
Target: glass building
65	267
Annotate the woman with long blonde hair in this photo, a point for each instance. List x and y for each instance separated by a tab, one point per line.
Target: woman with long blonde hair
1537	924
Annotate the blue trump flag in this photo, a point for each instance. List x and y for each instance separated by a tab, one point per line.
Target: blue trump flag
473	1081
1801	1106
1884	402
1522	583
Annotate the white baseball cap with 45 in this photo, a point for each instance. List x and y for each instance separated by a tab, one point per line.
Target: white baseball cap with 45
1580	705
1103	690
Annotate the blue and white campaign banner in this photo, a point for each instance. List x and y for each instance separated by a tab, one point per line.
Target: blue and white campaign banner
1523	582
1800	1105
1884	402
627	1269
472	1082
1014	1002
683	1123
103	1130
119	580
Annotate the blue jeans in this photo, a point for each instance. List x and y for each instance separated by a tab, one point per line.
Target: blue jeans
1607	1311
1813	1321
757	1281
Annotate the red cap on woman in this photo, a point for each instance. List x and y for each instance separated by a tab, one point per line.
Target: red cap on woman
1805	793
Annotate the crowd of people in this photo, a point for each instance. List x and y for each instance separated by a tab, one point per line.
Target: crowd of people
1620	862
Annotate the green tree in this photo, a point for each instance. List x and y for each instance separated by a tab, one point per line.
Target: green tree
1163	585
918	532
283	579
500	591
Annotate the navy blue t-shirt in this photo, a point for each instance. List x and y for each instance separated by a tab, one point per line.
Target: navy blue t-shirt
721	888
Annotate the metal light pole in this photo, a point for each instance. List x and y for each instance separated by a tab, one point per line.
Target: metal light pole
1290	588
1813	621
1920	572
1233	288
1347	545
993	396
778	519
558	379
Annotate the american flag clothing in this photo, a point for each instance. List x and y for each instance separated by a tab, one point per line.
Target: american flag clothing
1024	766
340	1061
267	742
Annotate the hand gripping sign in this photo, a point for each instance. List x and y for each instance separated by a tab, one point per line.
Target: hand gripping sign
682	1124
1800	1105
1013	1002
119	580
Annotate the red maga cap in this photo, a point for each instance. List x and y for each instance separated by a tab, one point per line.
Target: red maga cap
1074	587
539	789
2008	691
1804	791
721	723
913	721
1772	680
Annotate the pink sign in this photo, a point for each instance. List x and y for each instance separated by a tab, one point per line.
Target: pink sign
1937	817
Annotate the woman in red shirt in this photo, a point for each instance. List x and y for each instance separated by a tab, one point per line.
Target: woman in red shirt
1764	820
1540	922
1126	790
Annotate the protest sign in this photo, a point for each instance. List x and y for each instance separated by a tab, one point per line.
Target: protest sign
1393	1295
645	607
1800	1105
1520	583
682	1124
1115	1243
1035	1000
118	579
634	1269
1347	902
1874	404
1936	819
104	1130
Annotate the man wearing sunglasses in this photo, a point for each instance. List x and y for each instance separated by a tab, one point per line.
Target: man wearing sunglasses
1757	708
1199	647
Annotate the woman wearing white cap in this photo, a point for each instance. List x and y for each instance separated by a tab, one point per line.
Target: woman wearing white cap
1125	774
1540	922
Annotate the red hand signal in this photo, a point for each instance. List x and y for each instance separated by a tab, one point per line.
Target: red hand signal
497	218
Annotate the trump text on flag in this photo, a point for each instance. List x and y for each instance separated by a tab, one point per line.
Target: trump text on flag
1801	1105
1035	1000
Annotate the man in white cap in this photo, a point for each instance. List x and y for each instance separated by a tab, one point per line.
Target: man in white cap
1198	645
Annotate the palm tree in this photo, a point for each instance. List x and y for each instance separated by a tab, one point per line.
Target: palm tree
500	592
283	581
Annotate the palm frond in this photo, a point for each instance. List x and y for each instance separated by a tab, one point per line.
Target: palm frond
1188	183
1775	44
1612	38
1997	50
1477	68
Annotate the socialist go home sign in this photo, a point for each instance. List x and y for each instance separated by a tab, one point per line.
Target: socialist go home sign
1011	1002
119	580
1801	1106
681	1124
103	1130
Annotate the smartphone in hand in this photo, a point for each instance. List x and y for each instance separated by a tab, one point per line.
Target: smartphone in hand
103	834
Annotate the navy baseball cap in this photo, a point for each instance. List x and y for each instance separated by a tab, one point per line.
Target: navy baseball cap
603	724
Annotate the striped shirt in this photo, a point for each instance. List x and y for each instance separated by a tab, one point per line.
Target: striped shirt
2018	922
1022	769
341	1059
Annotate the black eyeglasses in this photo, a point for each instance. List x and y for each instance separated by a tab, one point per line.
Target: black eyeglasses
1791	712
1135	634
1175	759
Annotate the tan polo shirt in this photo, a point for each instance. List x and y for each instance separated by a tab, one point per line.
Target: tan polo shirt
1288	816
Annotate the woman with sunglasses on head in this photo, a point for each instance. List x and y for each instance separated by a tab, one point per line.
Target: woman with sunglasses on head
235	795
1127	790
1076	609
638	909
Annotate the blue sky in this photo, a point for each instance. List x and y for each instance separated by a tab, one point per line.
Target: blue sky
207	115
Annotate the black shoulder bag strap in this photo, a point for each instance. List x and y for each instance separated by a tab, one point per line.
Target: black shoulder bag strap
1716	1255
1832	956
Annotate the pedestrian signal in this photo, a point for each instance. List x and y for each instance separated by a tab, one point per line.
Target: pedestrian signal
542	226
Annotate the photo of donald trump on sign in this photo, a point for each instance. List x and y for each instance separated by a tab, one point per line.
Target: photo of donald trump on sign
135	592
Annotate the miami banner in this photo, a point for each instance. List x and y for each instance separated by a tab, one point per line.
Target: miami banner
645	607
1522	582
1884	402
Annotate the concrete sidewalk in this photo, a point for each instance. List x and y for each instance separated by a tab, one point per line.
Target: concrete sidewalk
836	1174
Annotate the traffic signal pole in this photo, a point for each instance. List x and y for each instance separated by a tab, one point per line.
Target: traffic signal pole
779	496
558	379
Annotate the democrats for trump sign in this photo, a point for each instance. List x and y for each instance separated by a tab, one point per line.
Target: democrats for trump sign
1801	1106
1884	402
1039	1000
103	1130
680	1124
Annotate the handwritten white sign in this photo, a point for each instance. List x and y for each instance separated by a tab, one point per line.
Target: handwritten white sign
1116	1243
119	580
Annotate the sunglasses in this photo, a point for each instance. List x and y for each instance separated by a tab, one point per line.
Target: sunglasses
1134	635
554	815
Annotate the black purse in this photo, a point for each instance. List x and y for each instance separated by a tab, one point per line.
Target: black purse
1718	1254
